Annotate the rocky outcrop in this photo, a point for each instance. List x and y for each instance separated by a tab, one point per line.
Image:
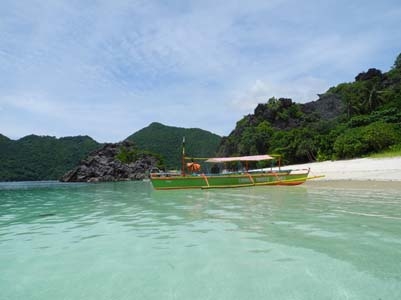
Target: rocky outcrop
370	74
102	165
327	107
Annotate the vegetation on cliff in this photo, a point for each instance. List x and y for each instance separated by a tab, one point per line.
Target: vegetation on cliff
349	120
114	162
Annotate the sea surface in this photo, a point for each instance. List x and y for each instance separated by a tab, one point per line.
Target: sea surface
126	241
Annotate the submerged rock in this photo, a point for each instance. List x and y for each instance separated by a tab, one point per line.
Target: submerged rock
102	165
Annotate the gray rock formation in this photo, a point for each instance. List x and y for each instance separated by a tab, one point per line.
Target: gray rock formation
102	165
327	107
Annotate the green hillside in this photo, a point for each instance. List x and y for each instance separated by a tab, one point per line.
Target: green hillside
41	157
167	141
48	158
350	120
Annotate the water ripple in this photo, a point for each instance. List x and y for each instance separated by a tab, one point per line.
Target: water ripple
140	239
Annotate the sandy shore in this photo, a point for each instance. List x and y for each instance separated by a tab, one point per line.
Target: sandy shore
361	169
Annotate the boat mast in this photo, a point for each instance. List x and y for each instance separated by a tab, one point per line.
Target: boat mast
183	157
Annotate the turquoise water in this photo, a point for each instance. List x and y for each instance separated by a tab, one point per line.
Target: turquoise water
126	241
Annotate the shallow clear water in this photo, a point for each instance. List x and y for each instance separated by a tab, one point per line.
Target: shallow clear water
126	241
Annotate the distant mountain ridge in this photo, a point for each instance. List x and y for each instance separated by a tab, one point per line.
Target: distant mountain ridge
36	157
167	141
41	157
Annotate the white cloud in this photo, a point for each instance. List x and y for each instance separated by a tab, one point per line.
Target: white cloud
109	68
28	102
300	90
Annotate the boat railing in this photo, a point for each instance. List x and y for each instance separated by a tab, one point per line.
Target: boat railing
228	173
164	174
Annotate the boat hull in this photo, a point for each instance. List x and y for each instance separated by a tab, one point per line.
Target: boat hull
202	181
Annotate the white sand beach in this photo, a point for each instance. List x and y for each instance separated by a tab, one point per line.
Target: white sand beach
361	169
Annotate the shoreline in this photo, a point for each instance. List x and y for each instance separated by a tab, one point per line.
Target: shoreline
359	169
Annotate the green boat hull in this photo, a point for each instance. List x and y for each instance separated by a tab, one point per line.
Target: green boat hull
202	181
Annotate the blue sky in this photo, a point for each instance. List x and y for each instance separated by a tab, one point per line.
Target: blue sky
109	68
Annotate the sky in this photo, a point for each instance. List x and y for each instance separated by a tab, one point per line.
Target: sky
110	68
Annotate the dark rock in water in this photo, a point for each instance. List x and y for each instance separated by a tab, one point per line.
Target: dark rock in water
102	165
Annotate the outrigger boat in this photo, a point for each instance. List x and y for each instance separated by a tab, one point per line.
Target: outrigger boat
222	178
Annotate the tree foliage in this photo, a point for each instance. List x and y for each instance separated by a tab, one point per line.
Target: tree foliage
359	141
397	63
167	141
368	122
41	157
130	155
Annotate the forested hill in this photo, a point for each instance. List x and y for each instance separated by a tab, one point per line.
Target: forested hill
48	158
350	120
167	141
41	157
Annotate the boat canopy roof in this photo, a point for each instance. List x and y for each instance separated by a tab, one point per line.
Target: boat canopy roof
239	158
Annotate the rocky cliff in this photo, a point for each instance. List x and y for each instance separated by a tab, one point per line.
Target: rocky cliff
102	165
327	107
